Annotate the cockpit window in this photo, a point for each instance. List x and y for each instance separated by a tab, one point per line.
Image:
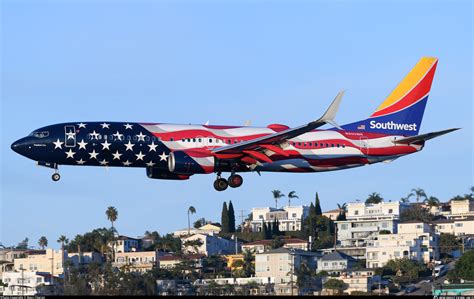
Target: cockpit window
40	134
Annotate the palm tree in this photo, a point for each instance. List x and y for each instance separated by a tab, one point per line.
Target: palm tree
432	202
277	195
374	197
191	210
342	211
418	192
63	240
406	199
112	215
291	195
43	242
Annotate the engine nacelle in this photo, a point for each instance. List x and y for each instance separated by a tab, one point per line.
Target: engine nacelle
189	162
164	174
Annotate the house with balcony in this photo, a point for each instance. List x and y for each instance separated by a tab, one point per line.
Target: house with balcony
289	217
362	280
364	222
266	245
125	244
137	261
414	240
27	283
335	262
208	229
210	245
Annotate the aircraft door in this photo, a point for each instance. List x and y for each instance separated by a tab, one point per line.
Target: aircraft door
69	136
364	141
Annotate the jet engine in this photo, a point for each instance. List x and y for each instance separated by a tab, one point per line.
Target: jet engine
164	174
189	163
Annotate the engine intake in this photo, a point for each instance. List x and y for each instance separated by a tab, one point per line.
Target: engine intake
164	174
189	163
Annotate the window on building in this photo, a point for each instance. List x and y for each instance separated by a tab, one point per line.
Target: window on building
459	225
356	212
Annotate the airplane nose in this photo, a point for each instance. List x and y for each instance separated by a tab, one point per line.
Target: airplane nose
19	145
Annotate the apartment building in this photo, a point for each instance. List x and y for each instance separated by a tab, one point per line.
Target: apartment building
415	240
281	264
138	261
335	262
457	227
49	261
265	245
364	222
125	244
210	245
363	280
209	229
289	217
85	258
460	209
170	261
27	283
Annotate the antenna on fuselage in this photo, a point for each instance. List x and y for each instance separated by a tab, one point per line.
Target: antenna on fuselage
248	123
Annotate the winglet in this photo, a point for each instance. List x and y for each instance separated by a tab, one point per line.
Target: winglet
330	114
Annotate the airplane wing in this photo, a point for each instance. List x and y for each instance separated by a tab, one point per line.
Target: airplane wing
272	141
424	137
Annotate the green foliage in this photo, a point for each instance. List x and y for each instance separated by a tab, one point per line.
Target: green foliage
374	198
416	212
43	242
448	243
112	214
405	269
199	223
334	284
464	266
318	206
277	195
277	243
23	244
384	232
231	217
225	218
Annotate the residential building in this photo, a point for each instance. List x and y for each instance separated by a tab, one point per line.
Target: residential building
358	253
49	261
265	245
257	285
289	218
460	209
210	245
125	244
7	256
170	261
364	222
231	258
85	258
174	287
139	261
332	214
281	264
209	228
27	283
335	262
415	240
363	280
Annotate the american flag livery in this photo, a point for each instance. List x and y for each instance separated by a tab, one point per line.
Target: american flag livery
176	151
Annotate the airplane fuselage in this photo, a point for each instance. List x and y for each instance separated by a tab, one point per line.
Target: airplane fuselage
118	144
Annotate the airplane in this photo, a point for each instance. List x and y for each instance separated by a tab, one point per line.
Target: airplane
178	151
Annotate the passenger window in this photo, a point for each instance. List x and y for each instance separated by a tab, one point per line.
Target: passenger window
305	144
188	140
310	144
235	141
194	139
321	145
229	141
183	140
343	146
332	144
171	139
199	140
337	145
299	143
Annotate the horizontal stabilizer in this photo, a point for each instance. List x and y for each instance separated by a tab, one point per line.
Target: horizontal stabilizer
424	137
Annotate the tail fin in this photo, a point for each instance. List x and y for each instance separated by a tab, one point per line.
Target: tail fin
402	111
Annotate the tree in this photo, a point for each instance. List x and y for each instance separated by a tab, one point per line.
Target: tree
112	215
291	195
23	244
335	284
318	210
191	210
448	243
419	193
249	265
464	267
432	202
231	217
63	240
277	195
374	198
225	218
199	223
416	213
43	242
405	269
342	212
264	232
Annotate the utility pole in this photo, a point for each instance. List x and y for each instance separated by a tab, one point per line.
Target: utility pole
242	220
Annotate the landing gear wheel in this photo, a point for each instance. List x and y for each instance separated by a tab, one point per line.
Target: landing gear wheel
56	177
235	181
220	184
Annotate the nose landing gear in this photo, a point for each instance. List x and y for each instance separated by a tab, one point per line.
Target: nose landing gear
234	181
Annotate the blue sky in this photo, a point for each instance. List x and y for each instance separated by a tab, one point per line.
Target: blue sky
222	62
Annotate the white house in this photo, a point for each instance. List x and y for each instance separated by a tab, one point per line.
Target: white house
210	245
289	217
335	262
27	283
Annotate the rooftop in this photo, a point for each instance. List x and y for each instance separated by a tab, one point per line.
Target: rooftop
336	256
285	241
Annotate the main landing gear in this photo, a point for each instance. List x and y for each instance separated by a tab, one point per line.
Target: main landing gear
55	176
234	181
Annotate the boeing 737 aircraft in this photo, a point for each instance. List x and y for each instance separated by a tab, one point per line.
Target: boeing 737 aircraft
176	152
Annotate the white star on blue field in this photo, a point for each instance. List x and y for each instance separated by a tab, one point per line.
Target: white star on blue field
226	63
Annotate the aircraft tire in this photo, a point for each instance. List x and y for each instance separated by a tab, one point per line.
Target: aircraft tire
55	177
220	184
235	181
